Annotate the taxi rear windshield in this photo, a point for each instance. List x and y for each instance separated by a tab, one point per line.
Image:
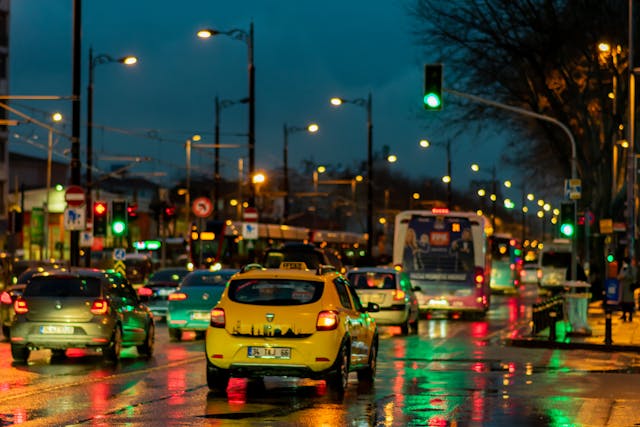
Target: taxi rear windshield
63	287
275	291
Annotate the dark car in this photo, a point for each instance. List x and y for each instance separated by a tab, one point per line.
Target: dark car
13	291
310	254
155	293
86	308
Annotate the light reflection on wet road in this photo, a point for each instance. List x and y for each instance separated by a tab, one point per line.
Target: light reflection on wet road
452	373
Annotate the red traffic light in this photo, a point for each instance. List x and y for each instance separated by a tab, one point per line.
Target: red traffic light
132	210
100	209
170	211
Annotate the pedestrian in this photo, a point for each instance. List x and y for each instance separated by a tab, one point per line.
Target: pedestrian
627	280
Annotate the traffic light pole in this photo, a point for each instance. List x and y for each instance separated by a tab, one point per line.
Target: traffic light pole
556	122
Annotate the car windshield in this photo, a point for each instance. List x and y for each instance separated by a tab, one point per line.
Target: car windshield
275	291
50	286
168	275
372	280
209	279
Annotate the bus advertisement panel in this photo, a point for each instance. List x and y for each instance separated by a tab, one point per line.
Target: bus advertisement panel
446	256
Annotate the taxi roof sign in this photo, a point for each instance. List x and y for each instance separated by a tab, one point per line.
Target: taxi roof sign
293	265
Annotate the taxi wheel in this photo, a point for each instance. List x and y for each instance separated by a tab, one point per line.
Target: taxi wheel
368	375
338	379
217	380
20	353
146	349
112	351
175	334
405	327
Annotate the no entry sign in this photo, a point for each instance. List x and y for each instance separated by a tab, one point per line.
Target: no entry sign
74	196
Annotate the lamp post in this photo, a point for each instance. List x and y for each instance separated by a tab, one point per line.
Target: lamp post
424	143
56	117
246	37
93	63
494	191
312	128
220	105
367	104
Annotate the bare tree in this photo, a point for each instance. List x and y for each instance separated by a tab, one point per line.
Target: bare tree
541	55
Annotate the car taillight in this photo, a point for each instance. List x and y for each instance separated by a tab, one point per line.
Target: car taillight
217	318
177	296
20	306
327	320
145	292
478	276
99	307
5	298
398	295
539	274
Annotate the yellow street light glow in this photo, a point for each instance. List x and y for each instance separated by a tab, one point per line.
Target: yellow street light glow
56	117
525	209
446	179
359	178
259	178
130	60
482	192
479	212
624	143
604	47
424	143
540	214
313	128
556	212
507	184
321	169
530	197
540	202
382	220
204	34
475	167
554	220
196	138
493	197
546	207
336	101
392	158
245	204
415	196
233	202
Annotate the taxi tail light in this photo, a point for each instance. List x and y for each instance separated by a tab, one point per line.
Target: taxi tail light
99	307
20	306
5	298
177	296
398	295
478	276
327	320
145	292
217	318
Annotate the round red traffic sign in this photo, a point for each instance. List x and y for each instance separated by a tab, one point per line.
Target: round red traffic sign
250	215
202	207
74	195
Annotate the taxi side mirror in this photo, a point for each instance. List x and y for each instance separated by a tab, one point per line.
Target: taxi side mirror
372	307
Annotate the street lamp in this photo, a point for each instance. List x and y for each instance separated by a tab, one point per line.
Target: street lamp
494	190
93	63
424	143
246	37
365	103
220	105
311	128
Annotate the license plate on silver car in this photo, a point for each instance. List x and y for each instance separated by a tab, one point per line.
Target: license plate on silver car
269	352
54	329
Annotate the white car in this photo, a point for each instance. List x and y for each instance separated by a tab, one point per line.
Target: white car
392	291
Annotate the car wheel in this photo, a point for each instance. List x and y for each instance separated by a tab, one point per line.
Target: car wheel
20	353
414	326
217	379
175	334
6	331
337	380
146	349
405	327
368	374
112	351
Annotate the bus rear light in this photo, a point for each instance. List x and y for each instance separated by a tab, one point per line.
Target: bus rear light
20	306
217	318
99	307
398	295
177	296
327	320
440	211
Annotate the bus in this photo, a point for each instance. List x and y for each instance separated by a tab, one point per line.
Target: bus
506	263
212	242
446	255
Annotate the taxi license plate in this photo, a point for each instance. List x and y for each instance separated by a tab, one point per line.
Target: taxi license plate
269	352
200	315
52	329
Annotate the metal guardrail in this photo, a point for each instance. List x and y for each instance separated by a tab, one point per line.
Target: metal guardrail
545	314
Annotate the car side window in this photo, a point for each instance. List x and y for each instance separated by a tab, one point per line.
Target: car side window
354	296
343	292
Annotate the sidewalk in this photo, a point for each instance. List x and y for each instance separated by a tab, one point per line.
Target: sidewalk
624	336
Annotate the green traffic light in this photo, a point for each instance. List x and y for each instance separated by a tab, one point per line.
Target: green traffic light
118	227
567	230
610	258
432	100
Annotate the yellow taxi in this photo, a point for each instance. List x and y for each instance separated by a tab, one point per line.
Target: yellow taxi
291	321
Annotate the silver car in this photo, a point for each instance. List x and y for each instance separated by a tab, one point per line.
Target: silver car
392	291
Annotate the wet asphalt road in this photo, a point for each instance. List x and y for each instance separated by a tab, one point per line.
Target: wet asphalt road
452	373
